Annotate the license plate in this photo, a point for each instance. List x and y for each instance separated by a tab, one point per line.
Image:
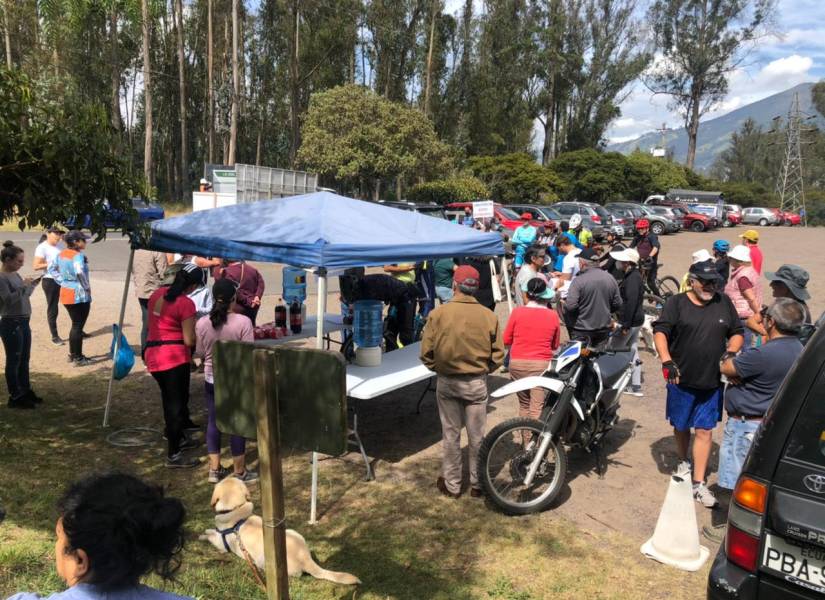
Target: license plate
799	564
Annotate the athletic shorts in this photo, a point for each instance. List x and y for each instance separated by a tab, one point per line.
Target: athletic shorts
691	408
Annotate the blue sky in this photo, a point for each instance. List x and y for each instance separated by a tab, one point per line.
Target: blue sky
796	54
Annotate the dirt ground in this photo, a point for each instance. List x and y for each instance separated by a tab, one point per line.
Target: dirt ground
641	451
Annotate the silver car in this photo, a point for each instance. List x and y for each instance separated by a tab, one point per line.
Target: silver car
759	216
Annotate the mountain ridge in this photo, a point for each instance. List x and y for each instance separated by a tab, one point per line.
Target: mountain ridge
714	134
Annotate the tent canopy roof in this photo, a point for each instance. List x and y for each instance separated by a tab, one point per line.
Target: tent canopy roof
319	230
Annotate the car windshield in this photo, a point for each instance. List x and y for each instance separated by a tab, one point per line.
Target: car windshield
508	213
550	213
139	203
432	211
807	440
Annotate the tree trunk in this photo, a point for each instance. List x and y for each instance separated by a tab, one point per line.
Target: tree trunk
376	191
692	131
548	151
236	86
210	88
183	174
293	84
147	96
398	188
117	121
7	34
428	78
258	146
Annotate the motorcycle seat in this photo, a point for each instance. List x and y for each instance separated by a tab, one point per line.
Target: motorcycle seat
612	366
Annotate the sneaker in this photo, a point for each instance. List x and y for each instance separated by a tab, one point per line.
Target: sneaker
82	361
57	341
703	495
21	402
683	469
247	476
635	390
216	475
189	442
179	461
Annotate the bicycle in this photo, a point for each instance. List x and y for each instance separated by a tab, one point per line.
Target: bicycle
667	286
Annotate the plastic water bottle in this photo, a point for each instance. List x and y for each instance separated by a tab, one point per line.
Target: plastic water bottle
295	284
368	323
295	323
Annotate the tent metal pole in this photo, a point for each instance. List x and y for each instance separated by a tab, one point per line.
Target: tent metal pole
506	273
319	343
120	332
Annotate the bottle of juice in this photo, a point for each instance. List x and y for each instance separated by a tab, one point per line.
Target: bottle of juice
280	313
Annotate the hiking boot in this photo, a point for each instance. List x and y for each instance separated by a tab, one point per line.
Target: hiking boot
57	341
179	461
634	390
703	495
248	476
21	402
442	487
216	475
82	361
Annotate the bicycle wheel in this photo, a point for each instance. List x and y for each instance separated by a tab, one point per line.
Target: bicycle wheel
668	286
504	458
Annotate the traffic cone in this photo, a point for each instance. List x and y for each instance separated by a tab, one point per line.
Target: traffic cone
675	541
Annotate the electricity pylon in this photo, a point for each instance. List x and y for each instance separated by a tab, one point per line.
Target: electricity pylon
790	186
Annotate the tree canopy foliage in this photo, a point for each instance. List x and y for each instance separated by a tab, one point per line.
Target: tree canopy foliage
453	189
515	177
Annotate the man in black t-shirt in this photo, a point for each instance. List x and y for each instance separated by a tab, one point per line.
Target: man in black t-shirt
695	332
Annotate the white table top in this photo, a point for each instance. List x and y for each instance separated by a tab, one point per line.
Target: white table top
398	369
332	323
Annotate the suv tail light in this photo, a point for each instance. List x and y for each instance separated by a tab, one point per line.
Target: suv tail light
745	523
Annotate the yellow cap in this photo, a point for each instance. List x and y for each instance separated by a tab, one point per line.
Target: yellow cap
751	235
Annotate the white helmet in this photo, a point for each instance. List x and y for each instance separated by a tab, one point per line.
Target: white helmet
575	221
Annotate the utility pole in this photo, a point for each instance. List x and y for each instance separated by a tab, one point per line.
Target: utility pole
790	185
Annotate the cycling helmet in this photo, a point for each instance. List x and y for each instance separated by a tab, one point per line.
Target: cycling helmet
575	221
721	246
642	224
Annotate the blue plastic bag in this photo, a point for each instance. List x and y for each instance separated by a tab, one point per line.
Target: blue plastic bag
125	359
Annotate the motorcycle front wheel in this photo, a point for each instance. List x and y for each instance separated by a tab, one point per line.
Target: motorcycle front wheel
504	459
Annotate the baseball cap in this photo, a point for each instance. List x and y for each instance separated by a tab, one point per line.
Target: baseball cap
794	277
589	254
75	236
537	288
626	255
740	253
466	275
751	235
705	270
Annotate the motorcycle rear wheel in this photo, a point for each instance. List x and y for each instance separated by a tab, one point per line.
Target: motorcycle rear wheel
503	460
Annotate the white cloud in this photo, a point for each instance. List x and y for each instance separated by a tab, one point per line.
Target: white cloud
790	65
625	123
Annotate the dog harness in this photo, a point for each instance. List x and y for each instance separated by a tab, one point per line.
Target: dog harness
229	531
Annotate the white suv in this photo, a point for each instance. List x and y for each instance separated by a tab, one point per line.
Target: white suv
759	216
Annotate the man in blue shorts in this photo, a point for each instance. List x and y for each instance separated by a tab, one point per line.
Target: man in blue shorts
696	331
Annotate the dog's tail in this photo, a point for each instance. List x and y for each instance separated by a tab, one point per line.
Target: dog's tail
318	572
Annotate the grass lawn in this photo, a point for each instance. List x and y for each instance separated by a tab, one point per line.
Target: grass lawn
397	534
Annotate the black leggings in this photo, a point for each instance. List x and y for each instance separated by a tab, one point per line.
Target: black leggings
174	392
52	290
78	313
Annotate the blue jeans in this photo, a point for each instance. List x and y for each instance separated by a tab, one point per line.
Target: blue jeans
17	341
445	294
736	443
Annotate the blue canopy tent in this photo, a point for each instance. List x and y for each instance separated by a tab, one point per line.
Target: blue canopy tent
316	231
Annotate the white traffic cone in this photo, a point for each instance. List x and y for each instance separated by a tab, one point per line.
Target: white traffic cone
675	541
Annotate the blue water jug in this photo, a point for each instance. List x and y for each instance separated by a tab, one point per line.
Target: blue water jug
295	284
368	323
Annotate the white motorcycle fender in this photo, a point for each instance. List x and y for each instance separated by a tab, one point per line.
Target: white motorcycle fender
528	383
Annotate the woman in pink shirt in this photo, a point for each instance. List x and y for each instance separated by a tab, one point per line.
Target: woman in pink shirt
222	323
167	354
532	333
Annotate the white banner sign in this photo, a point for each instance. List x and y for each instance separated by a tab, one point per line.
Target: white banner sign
483	210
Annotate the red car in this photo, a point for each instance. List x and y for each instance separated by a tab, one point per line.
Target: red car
733	215
693	221
508	218
791	218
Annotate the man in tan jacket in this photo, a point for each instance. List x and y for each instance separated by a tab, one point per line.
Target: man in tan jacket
462	344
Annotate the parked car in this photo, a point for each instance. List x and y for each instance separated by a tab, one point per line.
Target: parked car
711	212
507	218
673	222
594	216
146	212
545	215
757	215
659	224
775	541
431	209
692	221
791	218
734	215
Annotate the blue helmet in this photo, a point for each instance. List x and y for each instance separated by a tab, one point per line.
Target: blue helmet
721	246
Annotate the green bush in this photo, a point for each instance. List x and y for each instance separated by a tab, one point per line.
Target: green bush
454	189
516	177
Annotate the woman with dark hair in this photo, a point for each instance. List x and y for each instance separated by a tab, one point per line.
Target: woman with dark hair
222	323
71	271
167	355
111	531
249	282
15	329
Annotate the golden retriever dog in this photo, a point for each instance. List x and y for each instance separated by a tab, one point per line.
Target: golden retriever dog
234	523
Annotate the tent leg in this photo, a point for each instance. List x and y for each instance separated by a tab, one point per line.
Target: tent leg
506	272
120	332
319	343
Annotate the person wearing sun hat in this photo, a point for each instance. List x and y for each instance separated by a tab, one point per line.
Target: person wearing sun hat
751	240
462	345
744	288
631	317
533	333
523	237
791	281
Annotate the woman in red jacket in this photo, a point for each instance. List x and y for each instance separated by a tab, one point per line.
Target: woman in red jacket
532	333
